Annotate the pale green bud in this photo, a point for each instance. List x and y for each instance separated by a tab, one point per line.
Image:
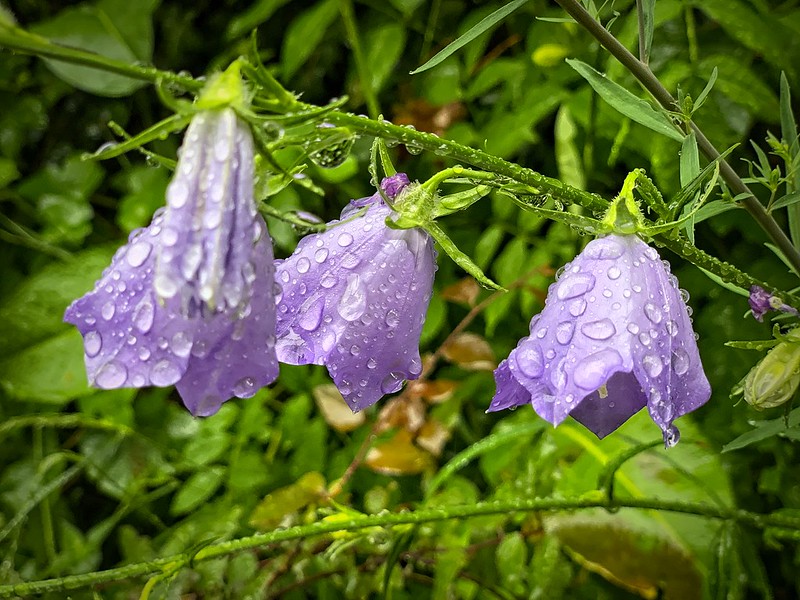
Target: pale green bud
774	380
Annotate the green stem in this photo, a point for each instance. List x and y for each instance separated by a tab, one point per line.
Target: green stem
651	83
432	515
351	28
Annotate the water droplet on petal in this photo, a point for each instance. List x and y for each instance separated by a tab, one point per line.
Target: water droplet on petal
311	315
169	237
138	253
653	312
320	255
392	318
577	307
372	363
558	377
574	285
111	375
680	361
245	388
392	382
327	281
350	261
164	286
605	248
672	328
164	373
671	436
355	350
529	360
303	264
595	370
613	273
181	344
191	260
652	365
599	330
108	310
644	339
345	239
564	332
143	316
178	193
632	328
92	343
144	353
354	299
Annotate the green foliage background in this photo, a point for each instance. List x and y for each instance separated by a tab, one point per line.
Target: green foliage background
93	479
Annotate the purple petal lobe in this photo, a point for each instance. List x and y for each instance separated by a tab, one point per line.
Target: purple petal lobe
190	299
354	299
615	335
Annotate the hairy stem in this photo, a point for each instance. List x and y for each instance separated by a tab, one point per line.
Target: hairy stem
432	515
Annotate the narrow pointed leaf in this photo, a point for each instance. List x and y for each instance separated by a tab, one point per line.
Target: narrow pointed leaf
461	259
483	26
626	103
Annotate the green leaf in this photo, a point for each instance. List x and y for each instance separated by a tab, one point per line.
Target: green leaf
788	124
483	26
787	200
701	98
258	12
384	47
648	21
568	158
196	490
116	29
690	159
305	33
764	430
286	500
50	371
35	311
626	103
511	557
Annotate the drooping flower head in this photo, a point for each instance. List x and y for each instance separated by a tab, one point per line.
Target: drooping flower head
761	302
614	336
189	300
354	299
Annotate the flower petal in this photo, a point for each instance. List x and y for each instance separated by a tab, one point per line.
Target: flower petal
234	355
354	298
129	339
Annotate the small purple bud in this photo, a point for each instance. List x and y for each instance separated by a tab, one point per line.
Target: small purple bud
761	302
353	298
189	301
614	336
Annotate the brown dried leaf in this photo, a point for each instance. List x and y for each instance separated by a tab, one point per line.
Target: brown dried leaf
335	410
432	436
470	351
437	391
465	291
398	456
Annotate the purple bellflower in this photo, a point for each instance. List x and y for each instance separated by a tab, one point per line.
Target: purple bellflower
614	336
761	302
354	299
189	300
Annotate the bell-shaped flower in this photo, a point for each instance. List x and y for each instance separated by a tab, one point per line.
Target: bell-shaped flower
614	336
354	299
190	299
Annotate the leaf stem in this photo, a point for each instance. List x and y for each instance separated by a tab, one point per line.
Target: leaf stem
651	83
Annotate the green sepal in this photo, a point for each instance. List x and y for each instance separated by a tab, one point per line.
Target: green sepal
586	224
158	131
451	203
752	344
461	259
690	190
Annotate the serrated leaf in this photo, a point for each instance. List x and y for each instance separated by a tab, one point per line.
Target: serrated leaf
482	26
626	103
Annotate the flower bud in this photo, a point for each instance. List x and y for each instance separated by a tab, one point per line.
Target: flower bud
774	380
